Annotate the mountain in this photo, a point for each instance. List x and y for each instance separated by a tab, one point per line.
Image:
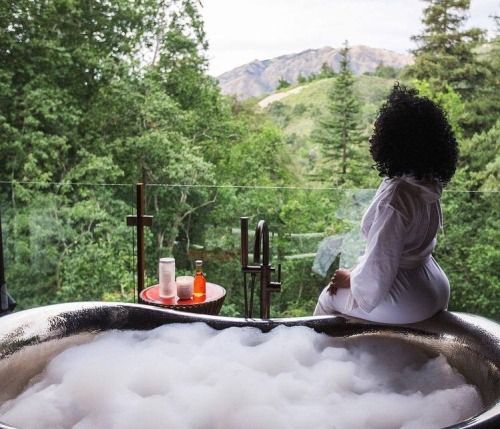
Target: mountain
261	77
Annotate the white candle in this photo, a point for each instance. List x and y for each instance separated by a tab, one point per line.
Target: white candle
185	287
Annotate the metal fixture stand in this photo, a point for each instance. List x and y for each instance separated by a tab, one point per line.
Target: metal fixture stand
264	269
140	220
7	304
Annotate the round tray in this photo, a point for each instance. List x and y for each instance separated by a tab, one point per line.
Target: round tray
211	303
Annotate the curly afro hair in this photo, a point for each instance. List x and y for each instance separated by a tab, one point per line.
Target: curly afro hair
412	136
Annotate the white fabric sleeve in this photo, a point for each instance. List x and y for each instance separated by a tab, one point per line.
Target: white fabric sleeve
373	277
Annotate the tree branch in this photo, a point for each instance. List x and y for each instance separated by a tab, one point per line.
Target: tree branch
193	209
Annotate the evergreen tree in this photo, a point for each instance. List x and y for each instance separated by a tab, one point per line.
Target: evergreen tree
445	51
338	133
385	72
326	71
483	109
282	84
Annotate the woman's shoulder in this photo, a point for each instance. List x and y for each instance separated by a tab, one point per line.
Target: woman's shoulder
406	193
428	190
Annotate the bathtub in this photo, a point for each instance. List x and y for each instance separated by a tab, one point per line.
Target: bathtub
30	338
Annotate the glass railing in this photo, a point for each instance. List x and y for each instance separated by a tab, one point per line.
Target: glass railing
70	242
67	242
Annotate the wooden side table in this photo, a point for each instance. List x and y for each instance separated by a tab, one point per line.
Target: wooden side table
211	303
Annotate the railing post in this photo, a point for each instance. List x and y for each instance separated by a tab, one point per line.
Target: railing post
140	220
7	304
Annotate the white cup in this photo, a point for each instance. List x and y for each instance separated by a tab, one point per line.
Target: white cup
166	273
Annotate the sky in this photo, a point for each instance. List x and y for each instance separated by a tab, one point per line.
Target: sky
240	31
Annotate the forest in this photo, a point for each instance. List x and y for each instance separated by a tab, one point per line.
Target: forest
97	96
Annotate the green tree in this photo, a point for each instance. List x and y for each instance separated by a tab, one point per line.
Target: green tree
448	99
468	251
55	57
280	113
445	50
483	110
338	132
282	83
78	106
480	159
326	71
385	71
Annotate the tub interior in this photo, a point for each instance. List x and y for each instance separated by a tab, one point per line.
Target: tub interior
18	370
25	353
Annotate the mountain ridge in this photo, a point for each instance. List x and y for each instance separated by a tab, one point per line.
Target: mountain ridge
260	77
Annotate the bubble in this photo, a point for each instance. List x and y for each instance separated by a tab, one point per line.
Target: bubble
192	376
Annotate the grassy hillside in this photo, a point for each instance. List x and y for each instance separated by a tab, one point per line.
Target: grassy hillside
298	114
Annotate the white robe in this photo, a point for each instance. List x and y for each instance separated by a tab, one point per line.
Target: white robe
396	280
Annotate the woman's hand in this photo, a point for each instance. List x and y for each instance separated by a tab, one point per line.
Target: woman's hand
340	279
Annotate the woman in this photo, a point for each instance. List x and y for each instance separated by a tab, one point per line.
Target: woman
397	280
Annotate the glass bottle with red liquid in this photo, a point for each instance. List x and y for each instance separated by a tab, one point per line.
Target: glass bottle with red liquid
200	281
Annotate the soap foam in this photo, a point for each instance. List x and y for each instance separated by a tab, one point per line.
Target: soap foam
191	376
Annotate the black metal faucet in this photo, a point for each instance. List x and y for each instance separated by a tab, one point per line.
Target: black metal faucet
260	266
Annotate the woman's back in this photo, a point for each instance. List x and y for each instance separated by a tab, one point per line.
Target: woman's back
417	202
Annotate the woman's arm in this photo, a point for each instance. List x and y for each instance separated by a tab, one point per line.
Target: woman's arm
373	277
